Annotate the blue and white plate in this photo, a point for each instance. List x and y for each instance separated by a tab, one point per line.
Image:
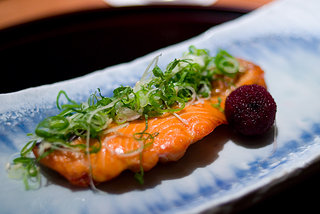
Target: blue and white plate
283	38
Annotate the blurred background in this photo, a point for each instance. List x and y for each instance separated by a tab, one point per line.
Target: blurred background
14	12
62	39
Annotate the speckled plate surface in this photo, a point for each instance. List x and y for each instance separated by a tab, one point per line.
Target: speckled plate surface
283	38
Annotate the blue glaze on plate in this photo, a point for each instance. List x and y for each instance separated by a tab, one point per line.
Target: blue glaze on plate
220	168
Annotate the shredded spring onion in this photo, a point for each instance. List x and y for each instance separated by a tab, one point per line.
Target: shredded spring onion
183	81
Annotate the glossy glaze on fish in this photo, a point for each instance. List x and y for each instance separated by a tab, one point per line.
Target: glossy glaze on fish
173	134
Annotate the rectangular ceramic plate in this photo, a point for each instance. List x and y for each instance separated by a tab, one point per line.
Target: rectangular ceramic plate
283	38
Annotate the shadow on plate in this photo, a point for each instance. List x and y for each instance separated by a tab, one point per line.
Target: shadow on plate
255	142
198	155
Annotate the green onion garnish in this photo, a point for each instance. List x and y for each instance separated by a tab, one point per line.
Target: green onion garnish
158	91
218	105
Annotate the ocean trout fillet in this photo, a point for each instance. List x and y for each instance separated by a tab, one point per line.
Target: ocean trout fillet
173	134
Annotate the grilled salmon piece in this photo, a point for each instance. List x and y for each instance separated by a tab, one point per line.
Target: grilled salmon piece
172	135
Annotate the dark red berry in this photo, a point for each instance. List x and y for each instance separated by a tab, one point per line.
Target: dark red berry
250	110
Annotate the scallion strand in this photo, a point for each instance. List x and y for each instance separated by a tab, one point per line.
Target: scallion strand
158	92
